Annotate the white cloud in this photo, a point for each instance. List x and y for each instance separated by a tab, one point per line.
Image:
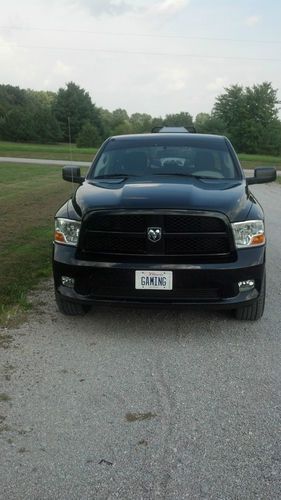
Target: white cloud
46	83
5	48
218	84
166	7
109	7
252	21
62	69
173	79
120	7
171	6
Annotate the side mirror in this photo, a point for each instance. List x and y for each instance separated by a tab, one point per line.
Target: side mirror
262	174
72	174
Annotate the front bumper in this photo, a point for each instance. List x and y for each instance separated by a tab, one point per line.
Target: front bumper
214	285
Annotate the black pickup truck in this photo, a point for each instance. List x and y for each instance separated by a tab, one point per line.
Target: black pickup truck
162	218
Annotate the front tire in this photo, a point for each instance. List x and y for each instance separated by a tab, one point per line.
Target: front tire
69	308
255	310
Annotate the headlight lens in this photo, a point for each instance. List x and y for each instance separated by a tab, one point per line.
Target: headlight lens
67	231
248	233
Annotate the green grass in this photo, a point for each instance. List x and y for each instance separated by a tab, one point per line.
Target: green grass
252	161
30	196
46	151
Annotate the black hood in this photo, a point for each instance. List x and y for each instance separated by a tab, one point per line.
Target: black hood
229	197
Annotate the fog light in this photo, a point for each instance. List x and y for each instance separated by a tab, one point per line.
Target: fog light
67	281
245	286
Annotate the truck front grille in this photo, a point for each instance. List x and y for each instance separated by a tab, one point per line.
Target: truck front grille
183	234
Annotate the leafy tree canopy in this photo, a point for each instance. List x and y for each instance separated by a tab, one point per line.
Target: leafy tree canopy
11	97
206	123
41	97
179	119
141	122
26	115
74	104
250	116
88	136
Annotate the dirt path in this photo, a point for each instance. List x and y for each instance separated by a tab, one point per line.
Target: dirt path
144	404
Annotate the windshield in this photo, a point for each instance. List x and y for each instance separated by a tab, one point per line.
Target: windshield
147	160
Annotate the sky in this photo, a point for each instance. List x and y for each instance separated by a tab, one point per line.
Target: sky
156	57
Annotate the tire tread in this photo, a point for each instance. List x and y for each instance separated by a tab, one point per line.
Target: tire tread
69	308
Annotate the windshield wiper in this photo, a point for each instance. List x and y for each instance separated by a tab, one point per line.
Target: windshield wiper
208	177
174	173
114	176
190	175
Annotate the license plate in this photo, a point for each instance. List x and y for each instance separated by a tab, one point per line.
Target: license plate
154	280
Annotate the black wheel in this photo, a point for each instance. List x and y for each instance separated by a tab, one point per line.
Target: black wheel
70	308
255	310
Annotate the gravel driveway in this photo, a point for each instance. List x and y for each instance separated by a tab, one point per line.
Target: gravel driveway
143	403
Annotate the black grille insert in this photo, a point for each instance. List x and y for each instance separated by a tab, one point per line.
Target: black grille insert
182	234
192	224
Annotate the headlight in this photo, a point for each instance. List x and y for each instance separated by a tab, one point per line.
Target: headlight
248	233
67	231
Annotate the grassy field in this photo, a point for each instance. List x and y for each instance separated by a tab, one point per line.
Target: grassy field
29	197
252	161
46	151
61	152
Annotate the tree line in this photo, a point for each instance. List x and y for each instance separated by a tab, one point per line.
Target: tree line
247	115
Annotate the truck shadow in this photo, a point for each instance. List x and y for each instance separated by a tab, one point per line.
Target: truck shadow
162	323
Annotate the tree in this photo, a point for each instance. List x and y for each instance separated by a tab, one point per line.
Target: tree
251	117
74	103
19	126
141	122
119	116
122	128
11	97
44	98
231	108
206	123
88	136
157	122
47	127
26	115
200	121
182	119
106	122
